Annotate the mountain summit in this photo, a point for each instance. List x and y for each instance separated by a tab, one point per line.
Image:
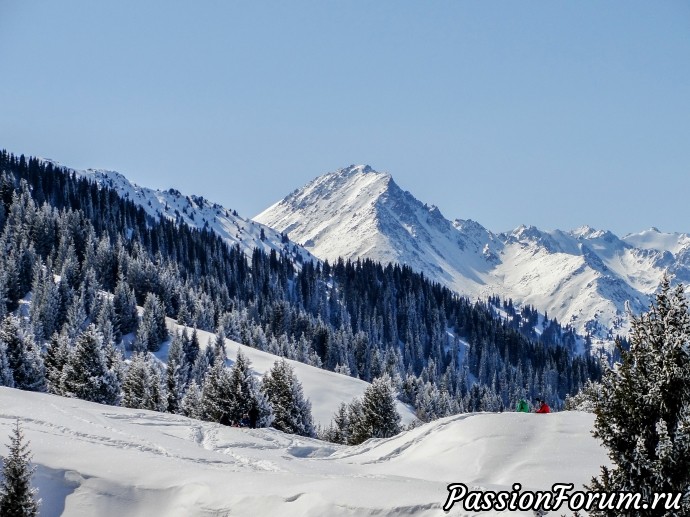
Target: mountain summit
586	277
356	212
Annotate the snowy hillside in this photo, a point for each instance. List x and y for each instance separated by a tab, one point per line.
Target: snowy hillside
112	461
583	277
198	212
325	389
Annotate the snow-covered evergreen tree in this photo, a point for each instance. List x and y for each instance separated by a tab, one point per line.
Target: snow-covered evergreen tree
217	396
191	347
44	308
176	374
76	318
17	497
199	368
55	359
643	413
248	399
339	429
141	388
6	377
191	402
86	374
23	354
152	330
584	400
291	411
358	430
379	414
125	305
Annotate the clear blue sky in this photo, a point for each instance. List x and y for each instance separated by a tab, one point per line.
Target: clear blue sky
550	113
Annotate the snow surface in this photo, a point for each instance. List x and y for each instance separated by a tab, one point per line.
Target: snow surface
109	461
585	277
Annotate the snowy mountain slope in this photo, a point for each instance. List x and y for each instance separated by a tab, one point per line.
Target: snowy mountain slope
325	389
585	277
198	212
111	461
358	212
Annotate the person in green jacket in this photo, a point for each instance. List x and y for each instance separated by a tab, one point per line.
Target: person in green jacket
522	406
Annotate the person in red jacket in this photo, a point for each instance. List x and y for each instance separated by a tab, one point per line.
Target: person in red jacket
542	407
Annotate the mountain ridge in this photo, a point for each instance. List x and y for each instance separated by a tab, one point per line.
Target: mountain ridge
196	212
588	278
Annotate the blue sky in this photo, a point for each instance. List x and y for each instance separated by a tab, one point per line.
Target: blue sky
551	113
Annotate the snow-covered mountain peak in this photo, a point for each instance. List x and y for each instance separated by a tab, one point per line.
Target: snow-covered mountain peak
584	277
357	169
655	239
583	232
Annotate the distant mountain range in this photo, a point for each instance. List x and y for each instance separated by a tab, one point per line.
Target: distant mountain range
590	279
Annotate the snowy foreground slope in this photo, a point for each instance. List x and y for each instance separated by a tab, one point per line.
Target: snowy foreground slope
107	461
584	277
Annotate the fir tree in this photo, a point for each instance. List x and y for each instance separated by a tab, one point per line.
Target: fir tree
190	347
643	412
176	374
291	411
86	374
191	405
55	359
358	431
199	368
340	426
217	396
23	356
44	303
248	399
141	388
376	416
17	498
6	377
152	330
125	306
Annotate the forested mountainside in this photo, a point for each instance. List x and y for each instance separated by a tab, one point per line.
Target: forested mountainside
72	247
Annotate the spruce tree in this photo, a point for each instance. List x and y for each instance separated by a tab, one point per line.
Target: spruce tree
6	377
339	430
55	359
125	306
141	388
176	374
152	330
248	399
191	402
217	396
358	431
643	412
23	356
86	374
291	411
17	498
379	408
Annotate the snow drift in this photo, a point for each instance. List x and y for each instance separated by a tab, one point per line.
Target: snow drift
111	461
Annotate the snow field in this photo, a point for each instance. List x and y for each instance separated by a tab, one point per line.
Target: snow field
96	460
